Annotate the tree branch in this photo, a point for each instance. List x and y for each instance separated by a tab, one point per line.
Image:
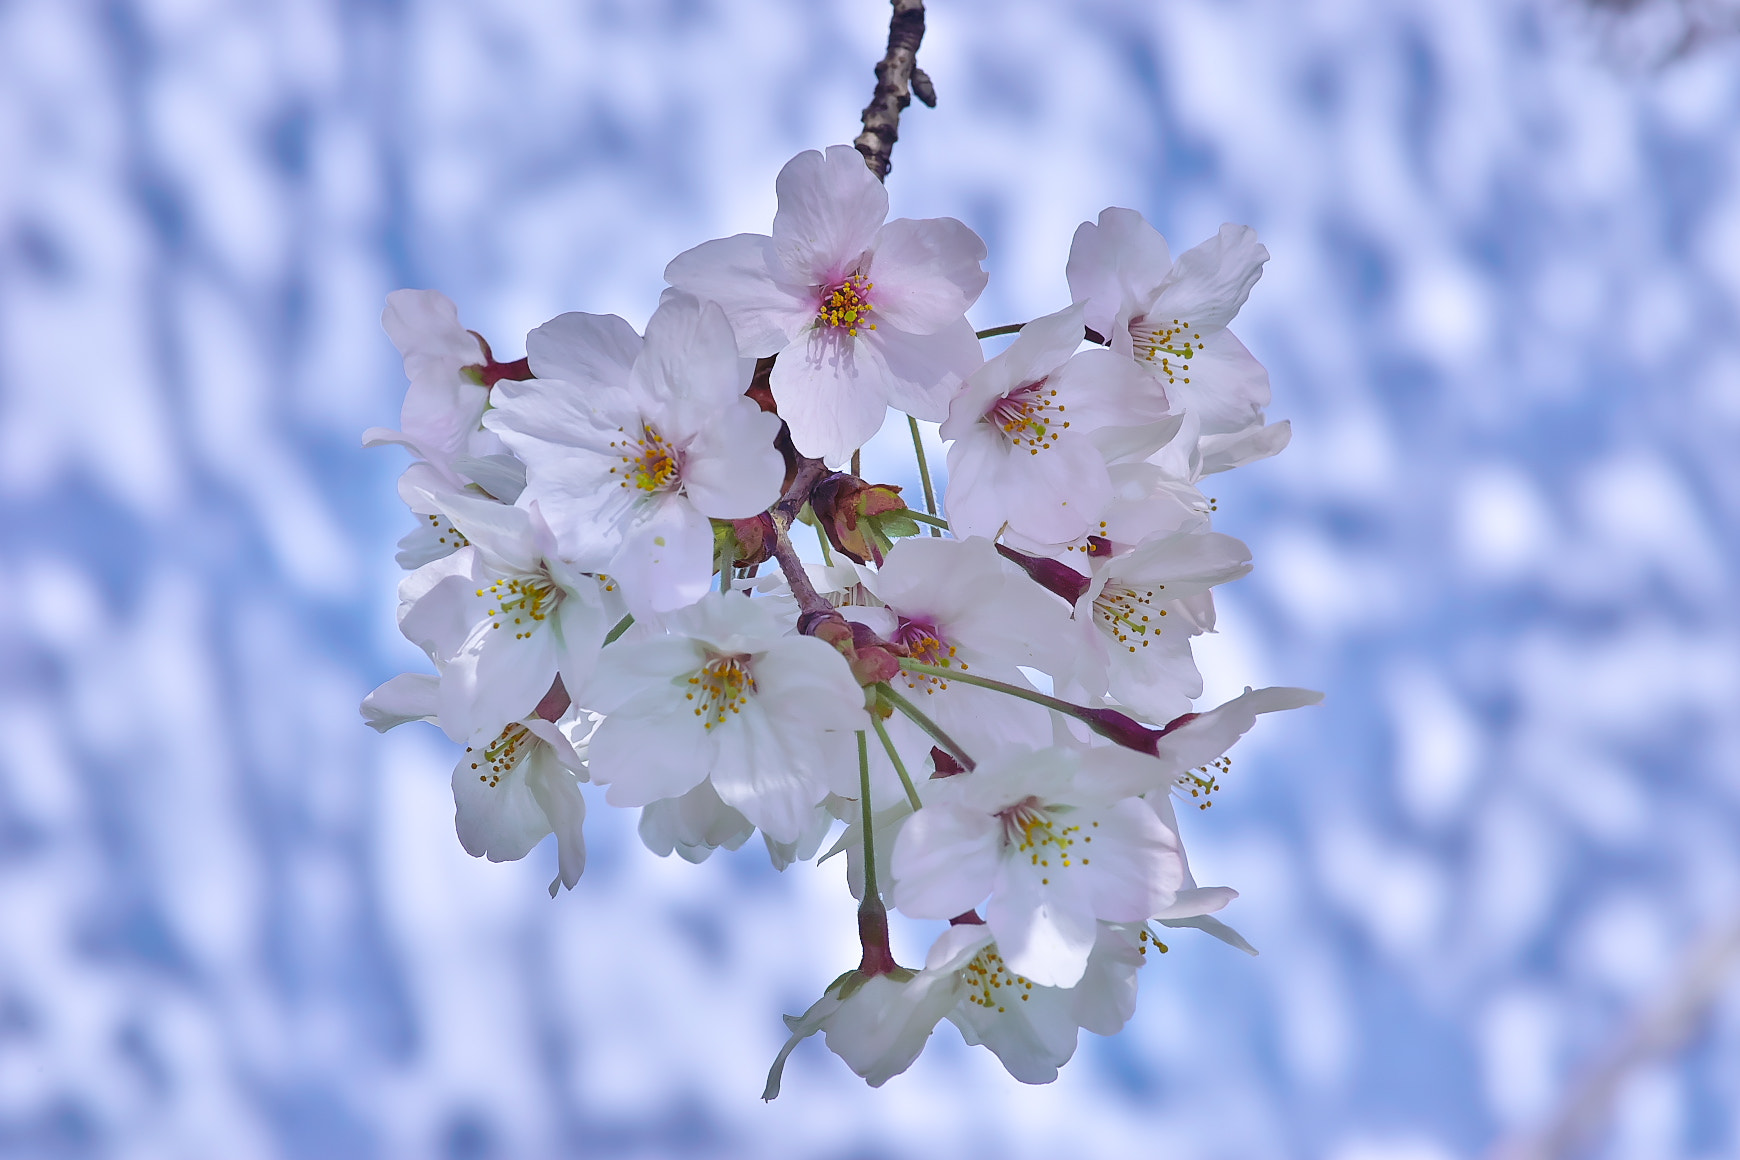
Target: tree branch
894	84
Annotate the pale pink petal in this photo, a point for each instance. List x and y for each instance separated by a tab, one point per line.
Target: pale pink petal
924	274
742	274
830	207
1209	282
1120	260
831	394
665	561
732	470
923	372
588	350
945	861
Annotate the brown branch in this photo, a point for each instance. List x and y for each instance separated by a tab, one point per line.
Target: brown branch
895	80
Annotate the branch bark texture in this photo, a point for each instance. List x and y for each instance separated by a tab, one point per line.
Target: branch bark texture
896	78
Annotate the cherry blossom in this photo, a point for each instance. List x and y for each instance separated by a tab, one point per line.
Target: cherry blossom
862	313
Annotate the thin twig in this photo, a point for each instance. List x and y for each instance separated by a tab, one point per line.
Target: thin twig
894	77
1656	1032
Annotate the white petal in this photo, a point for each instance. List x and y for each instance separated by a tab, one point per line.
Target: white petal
1209	282
1120	260
945	861
588	350
1043	922
922	372
830	207
924	274
406	697
732	470
832	395
742	274
1137	865
666	561
558	795
648	750
1223	385
1207	736
688	370
501	822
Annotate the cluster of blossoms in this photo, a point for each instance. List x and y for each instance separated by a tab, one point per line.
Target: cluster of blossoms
996	704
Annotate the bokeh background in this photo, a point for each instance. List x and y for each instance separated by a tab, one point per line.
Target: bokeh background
1495	878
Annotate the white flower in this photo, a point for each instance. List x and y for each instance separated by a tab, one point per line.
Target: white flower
502	617
1056	839
1024	455
1136	634
957	603
1033	1029
1171	317
878	1024
1192	752
439	419
861	313
693	825
631	447
769	717
511	788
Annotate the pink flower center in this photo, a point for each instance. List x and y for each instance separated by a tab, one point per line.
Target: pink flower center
1168	344
923	643
1029	416
847	306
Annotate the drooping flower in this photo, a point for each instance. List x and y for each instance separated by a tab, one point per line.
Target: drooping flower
503	616
1135	633
1171	317
631	448
878	1024
862	313
1057	840
958	604
439	422
731	696
511	788
1024	455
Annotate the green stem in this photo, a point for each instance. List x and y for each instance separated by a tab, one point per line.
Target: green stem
858	464
870	890
822	539
886	691
1012	328
923	468
622	626
951	674
899	765
920	517
727	554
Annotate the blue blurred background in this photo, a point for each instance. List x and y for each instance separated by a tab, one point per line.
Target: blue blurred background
1495	878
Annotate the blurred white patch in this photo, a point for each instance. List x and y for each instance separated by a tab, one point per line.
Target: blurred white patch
61	603
1444	310
1326	589
1623	942
1649	1115
1392	1148
1398	895
1519	1037
1503	525
1317	1026
1639	514
1437	745
1514	870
